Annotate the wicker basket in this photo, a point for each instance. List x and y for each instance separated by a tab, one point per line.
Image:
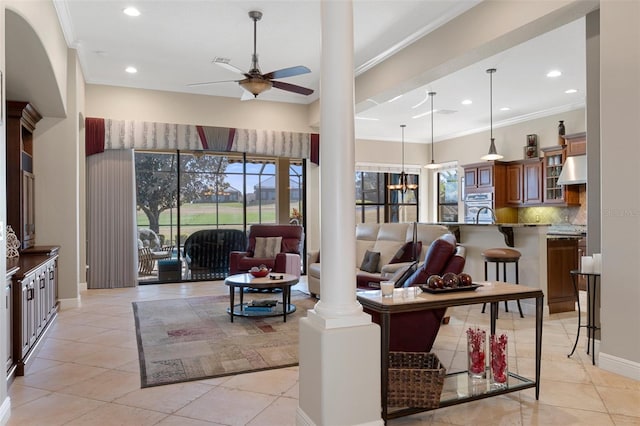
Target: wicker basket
415	380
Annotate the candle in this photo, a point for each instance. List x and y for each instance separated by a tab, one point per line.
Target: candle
587	265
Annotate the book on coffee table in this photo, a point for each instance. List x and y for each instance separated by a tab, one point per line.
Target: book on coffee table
263	303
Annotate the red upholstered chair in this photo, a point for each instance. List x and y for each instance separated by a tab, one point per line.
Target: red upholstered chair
416	331
280	239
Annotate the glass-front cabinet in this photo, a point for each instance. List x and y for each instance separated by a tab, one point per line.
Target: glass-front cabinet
553	160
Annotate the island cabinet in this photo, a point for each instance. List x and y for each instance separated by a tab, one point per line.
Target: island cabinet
554	194
524	182
562	257
35	302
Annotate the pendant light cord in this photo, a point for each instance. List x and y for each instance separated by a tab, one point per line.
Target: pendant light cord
491	71
431	95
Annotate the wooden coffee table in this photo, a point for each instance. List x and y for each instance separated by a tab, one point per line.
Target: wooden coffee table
273	280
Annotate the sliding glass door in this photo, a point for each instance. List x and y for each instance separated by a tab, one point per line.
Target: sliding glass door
180	193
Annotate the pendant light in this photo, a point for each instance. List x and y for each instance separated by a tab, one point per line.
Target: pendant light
493	153
432	164
403	183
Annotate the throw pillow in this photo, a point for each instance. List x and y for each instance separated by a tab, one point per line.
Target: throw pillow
386	249
267	247
407	253
370	261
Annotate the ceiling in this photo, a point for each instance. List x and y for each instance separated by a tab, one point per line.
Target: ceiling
173	43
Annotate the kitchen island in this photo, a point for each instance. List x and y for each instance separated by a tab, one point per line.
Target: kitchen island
529	239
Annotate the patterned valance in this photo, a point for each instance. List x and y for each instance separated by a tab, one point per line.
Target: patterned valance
102	134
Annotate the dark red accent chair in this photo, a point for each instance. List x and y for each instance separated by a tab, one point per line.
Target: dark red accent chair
416	331
292	240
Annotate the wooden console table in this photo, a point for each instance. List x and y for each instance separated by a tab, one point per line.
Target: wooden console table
493	294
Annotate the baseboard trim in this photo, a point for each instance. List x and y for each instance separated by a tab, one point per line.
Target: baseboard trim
82	287
70	303
618	365
303	420
5	411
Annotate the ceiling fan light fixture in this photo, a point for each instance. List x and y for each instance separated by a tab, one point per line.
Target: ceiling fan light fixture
255	86
493	152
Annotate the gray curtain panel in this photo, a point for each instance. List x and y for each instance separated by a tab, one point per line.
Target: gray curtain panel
112	252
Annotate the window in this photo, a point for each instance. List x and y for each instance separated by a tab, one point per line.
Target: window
448	195
376	204
179	193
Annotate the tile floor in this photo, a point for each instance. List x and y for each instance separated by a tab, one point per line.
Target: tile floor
87	373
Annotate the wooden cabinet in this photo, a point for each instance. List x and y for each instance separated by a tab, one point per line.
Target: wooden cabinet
524	182
576	144
487	177
12	268
479	177
532	188
562	257
35	304
514	184
582	251
21	122
554	194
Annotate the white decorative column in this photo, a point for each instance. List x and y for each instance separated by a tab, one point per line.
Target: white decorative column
339	345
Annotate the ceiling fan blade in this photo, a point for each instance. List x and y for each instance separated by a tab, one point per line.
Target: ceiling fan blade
226	65
291	88
287	72
211	82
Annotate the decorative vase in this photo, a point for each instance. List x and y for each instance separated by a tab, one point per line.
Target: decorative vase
499	363
561	132
476	353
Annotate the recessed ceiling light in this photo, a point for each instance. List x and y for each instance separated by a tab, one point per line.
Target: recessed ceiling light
467	102
571	91
131	11
367	118
505	109
554	73
131	70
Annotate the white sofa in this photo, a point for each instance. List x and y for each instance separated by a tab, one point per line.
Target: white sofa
384	238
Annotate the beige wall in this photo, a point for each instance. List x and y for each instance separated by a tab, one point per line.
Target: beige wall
168	107
620	174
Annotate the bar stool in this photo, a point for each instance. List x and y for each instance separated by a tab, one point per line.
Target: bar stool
501	256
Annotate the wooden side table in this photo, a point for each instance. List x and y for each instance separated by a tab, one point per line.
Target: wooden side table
592	283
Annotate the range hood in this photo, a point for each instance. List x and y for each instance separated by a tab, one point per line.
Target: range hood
574	171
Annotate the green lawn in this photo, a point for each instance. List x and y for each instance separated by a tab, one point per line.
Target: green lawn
194	217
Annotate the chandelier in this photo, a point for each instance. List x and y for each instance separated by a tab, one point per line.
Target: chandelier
405	182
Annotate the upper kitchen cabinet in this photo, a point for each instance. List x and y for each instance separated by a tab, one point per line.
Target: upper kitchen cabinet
487	177
22	118
576	144
524	182
555	194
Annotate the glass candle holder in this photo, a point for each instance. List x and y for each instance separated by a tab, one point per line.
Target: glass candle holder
476	352
499	360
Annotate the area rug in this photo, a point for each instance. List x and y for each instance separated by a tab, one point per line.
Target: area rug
192	338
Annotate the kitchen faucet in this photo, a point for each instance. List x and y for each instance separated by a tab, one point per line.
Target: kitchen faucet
493	215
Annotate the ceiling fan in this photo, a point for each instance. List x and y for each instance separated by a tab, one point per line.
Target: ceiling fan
255	82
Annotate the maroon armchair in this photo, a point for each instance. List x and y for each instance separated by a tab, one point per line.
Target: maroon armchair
268	245
416	331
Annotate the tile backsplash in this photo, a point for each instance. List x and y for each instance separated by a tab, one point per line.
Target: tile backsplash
556	215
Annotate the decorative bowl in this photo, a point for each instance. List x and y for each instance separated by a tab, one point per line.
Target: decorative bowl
260	273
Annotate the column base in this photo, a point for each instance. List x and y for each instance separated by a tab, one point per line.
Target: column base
339	375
